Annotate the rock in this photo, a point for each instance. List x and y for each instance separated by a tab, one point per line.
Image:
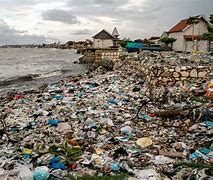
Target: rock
184	73
178	69
166	74
183	68
107	64
202	74
193	73
175	74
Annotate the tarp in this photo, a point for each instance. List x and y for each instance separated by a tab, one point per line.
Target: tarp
134	45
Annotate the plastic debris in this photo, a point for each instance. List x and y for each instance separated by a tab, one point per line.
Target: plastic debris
53	122
107	123
159	160
147	174
115	166
56	164
41	173
127	130
27	153
144	142
25	173
64	128
205	154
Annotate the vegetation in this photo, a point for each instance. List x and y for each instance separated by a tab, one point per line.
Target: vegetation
209	35
147	42
138	41
124	42
168	40
211	18
193	20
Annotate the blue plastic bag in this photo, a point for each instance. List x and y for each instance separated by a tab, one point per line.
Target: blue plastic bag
115	166
53	122
56	164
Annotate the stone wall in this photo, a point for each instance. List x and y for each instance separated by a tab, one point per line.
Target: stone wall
109	54
97	55
171	75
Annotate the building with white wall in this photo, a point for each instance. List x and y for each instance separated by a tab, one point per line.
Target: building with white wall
104	39
189	36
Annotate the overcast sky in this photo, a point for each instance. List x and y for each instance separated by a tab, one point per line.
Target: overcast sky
37	21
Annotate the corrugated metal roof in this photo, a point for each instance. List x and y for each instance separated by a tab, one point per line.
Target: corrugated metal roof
103	35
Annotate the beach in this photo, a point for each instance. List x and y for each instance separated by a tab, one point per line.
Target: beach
106	123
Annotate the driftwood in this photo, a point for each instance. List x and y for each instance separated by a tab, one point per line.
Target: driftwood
169	113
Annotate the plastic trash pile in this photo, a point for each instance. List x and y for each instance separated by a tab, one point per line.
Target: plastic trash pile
106	124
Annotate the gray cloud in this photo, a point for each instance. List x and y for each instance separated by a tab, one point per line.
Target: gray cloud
82	32
104	3
18	2
135	19
60	16
150	17
160	15
10	35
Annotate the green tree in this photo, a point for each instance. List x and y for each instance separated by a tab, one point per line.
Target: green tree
209	35
138	40
211	18
124	42
193	20
168	40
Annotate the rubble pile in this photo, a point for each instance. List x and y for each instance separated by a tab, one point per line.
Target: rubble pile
106	124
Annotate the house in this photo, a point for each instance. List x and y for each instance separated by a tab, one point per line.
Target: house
189	36
104	39
154	40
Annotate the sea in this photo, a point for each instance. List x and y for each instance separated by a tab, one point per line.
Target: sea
27	68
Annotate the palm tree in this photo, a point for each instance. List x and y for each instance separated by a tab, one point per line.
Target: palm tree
209	35
193	20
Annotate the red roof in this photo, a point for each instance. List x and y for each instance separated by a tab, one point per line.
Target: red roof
179	26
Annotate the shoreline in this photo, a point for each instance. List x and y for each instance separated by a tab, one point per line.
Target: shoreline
94	117
35	67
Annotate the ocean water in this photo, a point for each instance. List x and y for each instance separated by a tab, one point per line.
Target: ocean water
27	67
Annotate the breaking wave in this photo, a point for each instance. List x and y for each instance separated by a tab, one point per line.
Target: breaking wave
31	77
